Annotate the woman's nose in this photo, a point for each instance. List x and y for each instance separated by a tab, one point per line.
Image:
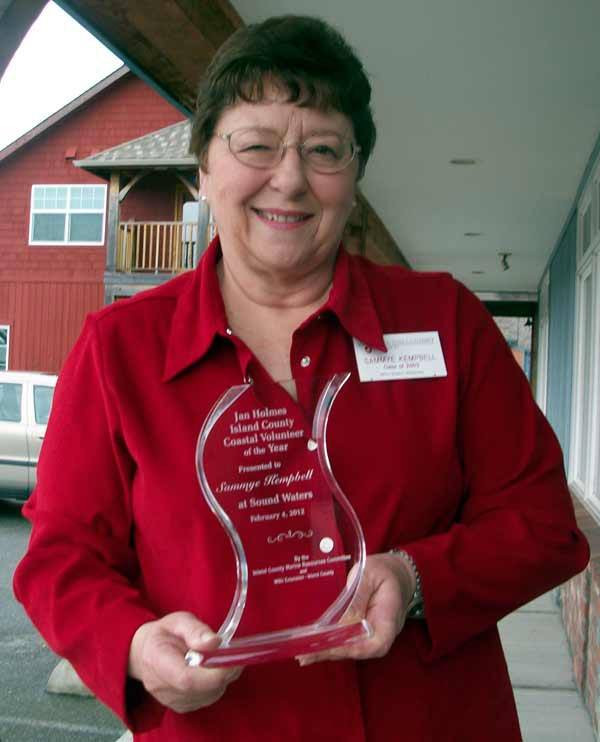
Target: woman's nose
289	176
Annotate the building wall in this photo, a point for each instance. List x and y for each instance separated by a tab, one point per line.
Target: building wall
45	292
580	597
49	315
560	336
580	605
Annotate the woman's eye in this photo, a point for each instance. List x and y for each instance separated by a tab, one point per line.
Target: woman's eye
257	147
323	151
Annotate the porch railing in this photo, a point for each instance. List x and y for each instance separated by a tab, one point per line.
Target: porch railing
156	247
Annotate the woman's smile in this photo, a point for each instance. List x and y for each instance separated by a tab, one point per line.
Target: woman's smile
282	219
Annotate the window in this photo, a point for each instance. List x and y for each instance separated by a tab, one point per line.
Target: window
584	464
42	402
4	338
10	402
67	215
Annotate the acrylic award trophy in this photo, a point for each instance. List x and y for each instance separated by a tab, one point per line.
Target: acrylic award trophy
264	469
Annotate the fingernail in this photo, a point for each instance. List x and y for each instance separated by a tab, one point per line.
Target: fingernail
206	636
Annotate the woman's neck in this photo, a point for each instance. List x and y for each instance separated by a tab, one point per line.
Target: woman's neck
265	314
261	294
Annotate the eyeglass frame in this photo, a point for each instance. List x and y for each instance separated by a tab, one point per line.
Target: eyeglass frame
227	138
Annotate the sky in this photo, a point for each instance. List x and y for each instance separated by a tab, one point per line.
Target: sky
57	61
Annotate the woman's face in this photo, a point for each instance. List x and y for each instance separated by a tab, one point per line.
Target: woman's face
285	221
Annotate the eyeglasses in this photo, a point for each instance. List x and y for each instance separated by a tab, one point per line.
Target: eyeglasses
264	148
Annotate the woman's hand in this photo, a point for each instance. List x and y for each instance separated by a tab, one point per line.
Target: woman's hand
156	659
383	596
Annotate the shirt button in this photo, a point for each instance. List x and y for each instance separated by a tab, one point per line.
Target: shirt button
228	331
311	444
248	380
305	362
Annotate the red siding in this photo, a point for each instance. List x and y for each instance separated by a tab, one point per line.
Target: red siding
49	316
45	292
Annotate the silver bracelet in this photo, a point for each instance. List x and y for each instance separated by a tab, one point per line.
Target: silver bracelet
416	608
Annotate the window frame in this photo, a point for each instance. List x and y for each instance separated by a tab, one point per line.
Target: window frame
590	200
585	338
585	399
586	206
67	211
7	328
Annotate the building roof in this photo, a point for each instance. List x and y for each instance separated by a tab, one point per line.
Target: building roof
63	112
166	147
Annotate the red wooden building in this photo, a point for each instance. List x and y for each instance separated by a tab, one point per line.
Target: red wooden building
54	226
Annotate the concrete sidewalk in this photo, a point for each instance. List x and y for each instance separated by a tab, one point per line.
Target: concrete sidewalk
549	705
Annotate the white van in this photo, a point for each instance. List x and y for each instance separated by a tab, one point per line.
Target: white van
25	401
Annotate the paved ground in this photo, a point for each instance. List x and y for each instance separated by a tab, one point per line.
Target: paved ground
549	707
27	712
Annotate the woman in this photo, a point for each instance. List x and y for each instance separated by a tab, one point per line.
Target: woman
457	478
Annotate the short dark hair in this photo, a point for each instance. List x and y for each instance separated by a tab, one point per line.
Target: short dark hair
306	56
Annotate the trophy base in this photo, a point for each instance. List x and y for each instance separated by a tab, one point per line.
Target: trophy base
280	645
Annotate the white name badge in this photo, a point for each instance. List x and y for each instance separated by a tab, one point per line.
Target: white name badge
409	355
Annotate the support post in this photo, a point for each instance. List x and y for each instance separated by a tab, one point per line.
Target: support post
112	222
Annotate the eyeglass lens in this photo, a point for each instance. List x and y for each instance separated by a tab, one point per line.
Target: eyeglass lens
263	148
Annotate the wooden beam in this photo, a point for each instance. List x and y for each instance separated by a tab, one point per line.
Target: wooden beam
193	191
379	240
133	182
169	42
16	17
218	19
367	235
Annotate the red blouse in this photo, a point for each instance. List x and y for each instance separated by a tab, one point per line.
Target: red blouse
462	471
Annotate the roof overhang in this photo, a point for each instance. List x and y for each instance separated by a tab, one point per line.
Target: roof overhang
16	17
167	44
103	169
187	164
164	149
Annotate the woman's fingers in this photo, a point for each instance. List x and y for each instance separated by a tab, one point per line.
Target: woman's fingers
193	632
382	599
157	659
